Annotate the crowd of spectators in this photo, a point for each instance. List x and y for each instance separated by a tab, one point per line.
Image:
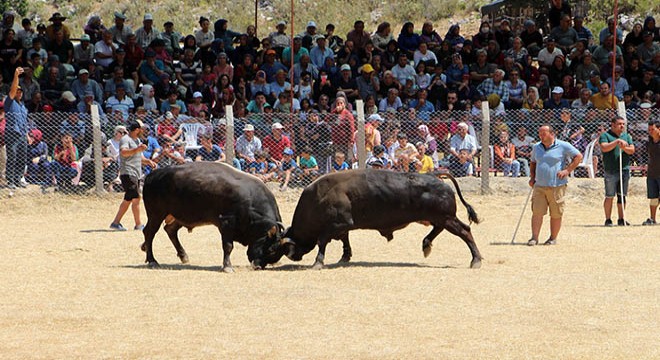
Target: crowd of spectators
295	98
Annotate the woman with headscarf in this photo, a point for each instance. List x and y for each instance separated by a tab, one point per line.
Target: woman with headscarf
430	36
650	25
148	99
390	56
454	36
481	39
532	101
495	55
408	41
424	135
634	37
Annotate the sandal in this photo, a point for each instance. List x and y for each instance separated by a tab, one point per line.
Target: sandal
550	242
532	242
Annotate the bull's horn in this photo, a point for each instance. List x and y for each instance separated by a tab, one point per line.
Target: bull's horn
281	225
272	231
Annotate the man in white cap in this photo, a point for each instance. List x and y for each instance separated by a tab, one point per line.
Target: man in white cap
147	33
276	142
347	83
556	102
120	31
320	52
246	145
84	84
279	39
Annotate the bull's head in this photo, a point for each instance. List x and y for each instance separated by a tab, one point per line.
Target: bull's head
270	248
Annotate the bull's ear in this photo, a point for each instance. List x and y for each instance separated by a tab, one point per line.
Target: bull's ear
272	232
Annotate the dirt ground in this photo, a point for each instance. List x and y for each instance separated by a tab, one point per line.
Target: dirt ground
73	289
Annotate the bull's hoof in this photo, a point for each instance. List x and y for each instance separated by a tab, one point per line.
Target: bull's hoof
153	264
427	249
317	266
228	270
184	258
344	259
143	247
475	264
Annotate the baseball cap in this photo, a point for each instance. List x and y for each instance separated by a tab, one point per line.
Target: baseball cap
287	151
150	53
281	22
54	58
586	53
120	51
345	67
119	15
594	73
375	117
647	33
551	39
367	68
169	115
197	94
529	22
645	105
83	71
557	90
277	126
85	37
120	128
148	17
270	52
68	96
248	127
311	23
89	93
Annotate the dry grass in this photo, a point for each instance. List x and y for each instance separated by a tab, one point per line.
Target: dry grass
73	290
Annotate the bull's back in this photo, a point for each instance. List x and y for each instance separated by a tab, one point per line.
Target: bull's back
373	199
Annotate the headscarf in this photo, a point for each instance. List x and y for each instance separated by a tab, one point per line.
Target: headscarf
37	135
149	101
427	134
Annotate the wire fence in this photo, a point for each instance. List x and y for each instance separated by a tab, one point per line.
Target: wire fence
295	148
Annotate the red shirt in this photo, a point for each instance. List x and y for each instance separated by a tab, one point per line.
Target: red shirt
3	124
275	147
343	129
166	129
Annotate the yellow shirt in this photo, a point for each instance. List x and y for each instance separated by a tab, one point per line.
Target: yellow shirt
427	165
604	102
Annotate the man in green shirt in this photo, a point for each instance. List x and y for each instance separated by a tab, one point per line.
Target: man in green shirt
612	143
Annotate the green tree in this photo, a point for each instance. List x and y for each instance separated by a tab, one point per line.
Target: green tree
20	6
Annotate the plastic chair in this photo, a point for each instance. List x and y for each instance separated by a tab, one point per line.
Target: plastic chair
587	161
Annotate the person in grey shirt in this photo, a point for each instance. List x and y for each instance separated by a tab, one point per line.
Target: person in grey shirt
130	173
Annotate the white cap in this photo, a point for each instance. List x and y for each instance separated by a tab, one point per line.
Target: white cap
169	115
375	117
645	105
277	126
197	94
68	96
345	67
311	23
148	16
557	90
248	127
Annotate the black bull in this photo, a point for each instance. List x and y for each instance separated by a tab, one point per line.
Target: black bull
370	199
197	194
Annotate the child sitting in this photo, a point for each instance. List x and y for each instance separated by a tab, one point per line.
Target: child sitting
287	167
260	167
308	166
339	163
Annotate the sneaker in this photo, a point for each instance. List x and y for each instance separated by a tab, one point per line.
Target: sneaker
532	242
283	188
118	227
608	222
622	222
649	221
11	187
550	242
138	227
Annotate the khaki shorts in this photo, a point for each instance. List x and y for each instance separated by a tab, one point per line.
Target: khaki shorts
546	196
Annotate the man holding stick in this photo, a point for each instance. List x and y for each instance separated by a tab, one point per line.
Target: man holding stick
617	167
549	178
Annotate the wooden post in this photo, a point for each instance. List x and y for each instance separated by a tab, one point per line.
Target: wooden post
229	135
485	150
360	138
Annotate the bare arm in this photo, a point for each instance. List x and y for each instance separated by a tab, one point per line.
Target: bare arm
14	84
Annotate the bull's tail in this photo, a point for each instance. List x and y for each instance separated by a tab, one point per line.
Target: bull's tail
472	215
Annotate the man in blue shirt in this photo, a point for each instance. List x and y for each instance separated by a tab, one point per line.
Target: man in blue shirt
549	177
16	132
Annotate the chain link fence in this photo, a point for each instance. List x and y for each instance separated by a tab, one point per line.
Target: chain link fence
296	148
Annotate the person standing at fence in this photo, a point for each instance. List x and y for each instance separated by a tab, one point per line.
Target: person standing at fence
343	128
612	143
130	174
549	179
653	174
16	132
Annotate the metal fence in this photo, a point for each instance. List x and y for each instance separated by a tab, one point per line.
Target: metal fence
333	141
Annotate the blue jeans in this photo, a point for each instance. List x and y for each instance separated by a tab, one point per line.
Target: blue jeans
63	173
512	169
16	157
613	186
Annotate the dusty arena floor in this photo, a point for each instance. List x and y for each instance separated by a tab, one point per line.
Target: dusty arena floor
73	289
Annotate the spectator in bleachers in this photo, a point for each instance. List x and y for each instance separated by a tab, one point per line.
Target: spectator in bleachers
52	87
104	49
358	35
594	81
152	70
533	101
276	142
11	53
147	33
620	84
308	166
604	54
604	99
583	71
557	71
27	84
480	39
117	79
9	22
39	170
335	42
634	37
648	82
246	145
84	106
390	56
423	54
382	36
648	48
494	53
308	37
57	24
392	102
531	38
271	67
119	104
461	141
556	101
564	34
495	85
173	99
83	52
287	169
61	47
279	39
134	53
423	163
454	36
346	83
243	49
481	69
583	101
523	145
120	31
548	54
94	29
320	52
583	32
41	56
405	154
609	31
557	9
172	39
503	35
408	40
73	125
517	51
575	57
650	25
517	89
403	70
298	51
83	84
26	34
303	66
64	163
339	162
